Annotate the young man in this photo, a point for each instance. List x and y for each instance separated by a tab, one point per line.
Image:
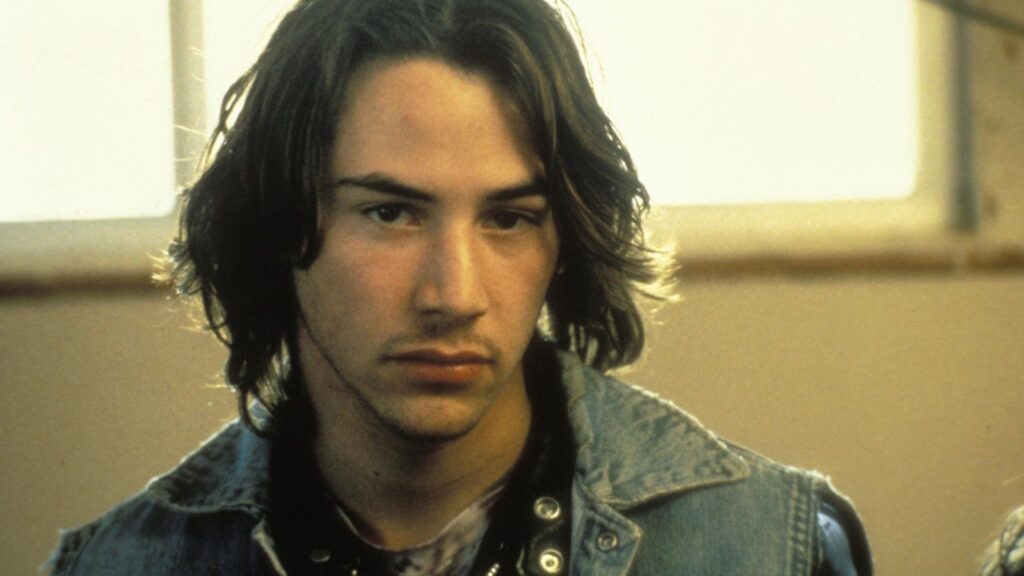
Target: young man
419	237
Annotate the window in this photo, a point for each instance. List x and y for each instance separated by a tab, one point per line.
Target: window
768	126
87	111
743	101
754	124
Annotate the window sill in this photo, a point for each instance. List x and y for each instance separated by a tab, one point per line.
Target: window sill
953	258
957	256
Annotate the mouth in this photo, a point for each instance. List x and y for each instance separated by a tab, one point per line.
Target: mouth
442	356
439	366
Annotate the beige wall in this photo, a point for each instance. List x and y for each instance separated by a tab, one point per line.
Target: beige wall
907	389
97	394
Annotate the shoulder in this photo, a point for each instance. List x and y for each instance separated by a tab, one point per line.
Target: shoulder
686	487
634	447
118	539
207	505
142	536
1006	554
620	425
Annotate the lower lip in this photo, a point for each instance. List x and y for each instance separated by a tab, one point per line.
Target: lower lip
434	372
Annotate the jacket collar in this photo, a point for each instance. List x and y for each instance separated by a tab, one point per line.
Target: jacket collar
611	420
228	472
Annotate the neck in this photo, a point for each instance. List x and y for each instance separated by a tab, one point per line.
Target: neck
402	492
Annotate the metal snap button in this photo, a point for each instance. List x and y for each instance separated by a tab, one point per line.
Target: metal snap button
547	508
607	541
551	561
320	555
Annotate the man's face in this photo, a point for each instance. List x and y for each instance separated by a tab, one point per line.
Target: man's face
438	249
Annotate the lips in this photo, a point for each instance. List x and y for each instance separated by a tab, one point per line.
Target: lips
435	365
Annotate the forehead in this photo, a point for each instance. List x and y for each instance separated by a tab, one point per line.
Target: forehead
431	124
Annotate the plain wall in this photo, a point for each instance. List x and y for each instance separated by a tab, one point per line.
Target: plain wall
908	389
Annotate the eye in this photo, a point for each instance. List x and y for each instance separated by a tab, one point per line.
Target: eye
507	220
394	214
514	219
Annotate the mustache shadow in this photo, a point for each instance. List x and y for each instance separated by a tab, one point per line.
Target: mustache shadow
454	333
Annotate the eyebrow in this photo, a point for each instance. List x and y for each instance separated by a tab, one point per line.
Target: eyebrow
387	185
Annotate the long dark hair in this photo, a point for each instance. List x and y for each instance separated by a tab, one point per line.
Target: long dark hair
253	214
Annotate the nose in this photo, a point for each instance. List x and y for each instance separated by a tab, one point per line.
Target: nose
451	283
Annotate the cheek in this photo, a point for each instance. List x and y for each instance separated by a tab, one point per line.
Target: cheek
538	278
532	275
350	288
362	271
549	250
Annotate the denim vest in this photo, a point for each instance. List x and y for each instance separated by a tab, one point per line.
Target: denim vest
655	493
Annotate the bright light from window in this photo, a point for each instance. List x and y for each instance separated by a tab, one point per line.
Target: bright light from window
86	111
733	101
235	32
747	101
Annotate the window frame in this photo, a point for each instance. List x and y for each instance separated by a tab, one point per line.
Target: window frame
709	238
941	206
90	252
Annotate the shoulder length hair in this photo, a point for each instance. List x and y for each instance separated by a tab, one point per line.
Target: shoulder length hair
254	213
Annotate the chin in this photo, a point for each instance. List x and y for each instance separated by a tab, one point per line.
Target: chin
430	437
434	425
424	433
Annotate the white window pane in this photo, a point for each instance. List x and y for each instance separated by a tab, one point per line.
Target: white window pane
746	101
733	101
234	34
86	110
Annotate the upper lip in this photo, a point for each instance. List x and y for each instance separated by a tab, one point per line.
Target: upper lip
441	356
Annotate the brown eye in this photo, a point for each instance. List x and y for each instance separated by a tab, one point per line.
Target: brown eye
387	213
507	220
390	214
511	220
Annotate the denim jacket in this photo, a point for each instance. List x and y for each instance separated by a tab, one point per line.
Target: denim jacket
655	493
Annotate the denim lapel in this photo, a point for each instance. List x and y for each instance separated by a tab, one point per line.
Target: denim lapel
228	472
633	447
